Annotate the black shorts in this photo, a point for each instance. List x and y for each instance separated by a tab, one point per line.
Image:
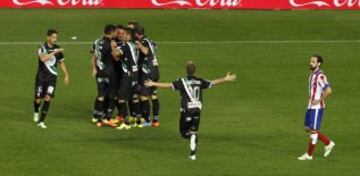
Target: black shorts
148	91
124	88
45	87
189	122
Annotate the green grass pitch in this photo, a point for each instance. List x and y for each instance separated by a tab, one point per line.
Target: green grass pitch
251	127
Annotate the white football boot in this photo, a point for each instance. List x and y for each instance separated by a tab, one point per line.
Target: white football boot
192	157
305	157
328	148
36	117
42	125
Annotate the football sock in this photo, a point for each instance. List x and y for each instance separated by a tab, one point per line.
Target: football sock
99	105
44	110
123	111
145	107
324	139
155	108
36	107
312	143
111	106
193	143
137	109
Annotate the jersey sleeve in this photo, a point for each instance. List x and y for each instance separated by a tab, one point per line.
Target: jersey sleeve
42	50
205	84
323	83
176	85
60	57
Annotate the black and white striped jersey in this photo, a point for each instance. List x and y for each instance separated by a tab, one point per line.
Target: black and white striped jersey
149	66
191	89
103	54
48	70
129	59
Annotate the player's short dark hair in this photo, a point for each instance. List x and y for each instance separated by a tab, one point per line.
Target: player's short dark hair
109	28
190	68
129	31
120	26
319	58
51	32
140	30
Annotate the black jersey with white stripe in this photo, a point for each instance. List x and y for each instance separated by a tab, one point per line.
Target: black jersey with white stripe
149	66
191	89
48	70
104	59
129	59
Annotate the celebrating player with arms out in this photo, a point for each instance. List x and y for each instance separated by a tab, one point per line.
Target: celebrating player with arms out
149	69
191	88
49	55
319	91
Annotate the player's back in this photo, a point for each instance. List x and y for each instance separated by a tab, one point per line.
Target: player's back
191	89
104	59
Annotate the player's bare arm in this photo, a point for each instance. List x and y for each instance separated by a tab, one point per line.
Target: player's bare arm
150	83
93	65
142	48
327	93
44	57
229	77
116	53
65	72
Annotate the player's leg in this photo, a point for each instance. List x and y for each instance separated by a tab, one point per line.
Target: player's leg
193	130
184	124
123	95
329	144
145	105
100	101
155	107
137	109
38	95
111	102
50	93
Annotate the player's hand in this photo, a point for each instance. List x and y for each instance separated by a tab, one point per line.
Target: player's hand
138	44
113	44
230	77
149	83
315	102
59	50
94	72
66	80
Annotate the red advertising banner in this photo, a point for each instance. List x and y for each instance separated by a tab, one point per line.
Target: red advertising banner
185	4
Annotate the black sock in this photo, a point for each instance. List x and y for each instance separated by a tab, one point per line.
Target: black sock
99	105
110	108
36	107
156	109
123	112
145	108
44	110
136	109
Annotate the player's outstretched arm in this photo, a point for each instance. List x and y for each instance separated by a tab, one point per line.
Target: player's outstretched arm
229	77
150	83
44	57
65	72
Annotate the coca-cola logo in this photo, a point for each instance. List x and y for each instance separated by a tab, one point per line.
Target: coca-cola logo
197	3
58	2
323	3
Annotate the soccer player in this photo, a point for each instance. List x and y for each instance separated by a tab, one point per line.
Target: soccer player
319	89
127	53
149	70
191	88
49	56
103	71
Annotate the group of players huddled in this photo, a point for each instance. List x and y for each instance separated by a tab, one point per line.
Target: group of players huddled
123	59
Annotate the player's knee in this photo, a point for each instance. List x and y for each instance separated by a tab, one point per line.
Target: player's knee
38	100
100	98
47	98
314	137
121	100
307	129
144	98
154	97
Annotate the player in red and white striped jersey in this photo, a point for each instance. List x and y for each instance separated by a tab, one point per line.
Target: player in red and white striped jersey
319	89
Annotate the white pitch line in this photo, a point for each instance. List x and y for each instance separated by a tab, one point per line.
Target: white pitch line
204	42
